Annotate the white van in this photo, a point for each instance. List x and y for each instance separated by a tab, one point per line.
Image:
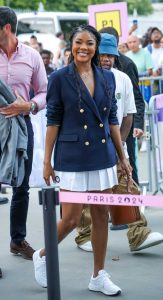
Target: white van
49	22
45	25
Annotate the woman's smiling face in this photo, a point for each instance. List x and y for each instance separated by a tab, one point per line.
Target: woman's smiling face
83	47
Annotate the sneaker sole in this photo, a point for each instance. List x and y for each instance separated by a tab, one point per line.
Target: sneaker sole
104	292
85	249
148	246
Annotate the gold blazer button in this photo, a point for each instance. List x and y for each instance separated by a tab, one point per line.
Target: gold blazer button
87	143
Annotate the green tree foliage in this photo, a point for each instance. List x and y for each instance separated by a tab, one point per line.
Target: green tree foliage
24	4
143	7
71	5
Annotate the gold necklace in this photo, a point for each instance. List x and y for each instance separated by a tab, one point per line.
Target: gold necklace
85	76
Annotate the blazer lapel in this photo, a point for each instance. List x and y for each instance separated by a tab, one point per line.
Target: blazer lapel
99	94
85	95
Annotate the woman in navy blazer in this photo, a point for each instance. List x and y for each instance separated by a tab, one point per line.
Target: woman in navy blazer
82	123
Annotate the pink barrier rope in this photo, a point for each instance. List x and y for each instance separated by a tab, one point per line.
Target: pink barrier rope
110	199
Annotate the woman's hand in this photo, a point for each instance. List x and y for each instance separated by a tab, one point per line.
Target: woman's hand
125	167
48	172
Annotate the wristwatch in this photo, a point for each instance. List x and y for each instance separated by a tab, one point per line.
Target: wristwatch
33	107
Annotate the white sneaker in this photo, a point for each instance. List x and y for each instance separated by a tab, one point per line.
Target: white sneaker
154	238
40	268
103	284
86	246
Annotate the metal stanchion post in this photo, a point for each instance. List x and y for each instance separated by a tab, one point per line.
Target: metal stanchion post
148	140
155	173
155	147
49	198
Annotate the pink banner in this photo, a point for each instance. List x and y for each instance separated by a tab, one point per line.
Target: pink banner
110	199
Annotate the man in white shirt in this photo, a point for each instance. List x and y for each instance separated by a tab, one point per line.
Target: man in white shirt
124	89
155	49
126	109
143	237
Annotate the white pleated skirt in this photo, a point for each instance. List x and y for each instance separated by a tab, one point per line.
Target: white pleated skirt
97	180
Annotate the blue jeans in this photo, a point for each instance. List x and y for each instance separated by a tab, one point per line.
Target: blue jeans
20	198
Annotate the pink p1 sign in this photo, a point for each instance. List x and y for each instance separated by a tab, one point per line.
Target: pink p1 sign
112	15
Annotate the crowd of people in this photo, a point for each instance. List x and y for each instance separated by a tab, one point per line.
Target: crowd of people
95	112
146	52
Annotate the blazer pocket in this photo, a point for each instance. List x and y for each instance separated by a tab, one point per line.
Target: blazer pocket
68	138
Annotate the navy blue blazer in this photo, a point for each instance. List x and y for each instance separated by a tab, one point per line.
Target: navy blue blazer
84	141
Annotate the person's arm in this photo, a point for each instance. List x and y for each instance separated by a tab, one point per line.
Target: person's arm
116	138
132	28
156	73
126	126
148	72
39	83
148	63
51	135
54	120
129	108
139	102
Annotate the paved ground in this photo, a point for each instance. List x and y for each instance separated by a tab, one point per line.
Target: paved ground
139	275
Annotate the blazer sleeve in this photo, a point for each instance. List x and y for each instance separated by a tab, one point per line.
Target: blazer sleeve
113	120
54	101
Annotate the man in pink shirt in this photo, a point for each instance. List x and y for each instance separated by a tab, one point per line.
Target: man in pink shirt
21	68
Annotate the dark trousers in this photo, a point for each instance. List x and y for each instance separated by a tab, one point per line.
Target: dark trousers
131	148
20	198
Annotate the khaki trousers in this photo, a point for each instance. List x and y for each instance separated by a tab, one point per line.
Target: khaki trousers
137	232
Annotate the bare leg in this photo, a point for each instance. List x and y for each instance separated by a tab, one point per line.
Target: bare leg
99	234
71	214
